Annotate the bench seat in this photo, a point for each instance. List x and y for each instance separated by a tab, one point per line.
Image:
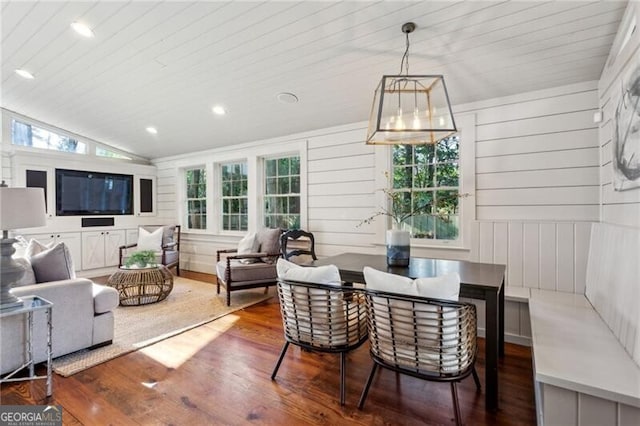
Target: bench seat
574	349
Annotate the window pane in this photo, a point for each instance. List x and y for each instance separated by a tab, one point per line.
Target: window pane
419	171
447	174
283	167
282	189
196	198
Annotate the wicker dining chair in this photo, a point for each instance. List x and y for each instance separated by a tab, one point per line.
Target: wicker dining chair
426	338
323	318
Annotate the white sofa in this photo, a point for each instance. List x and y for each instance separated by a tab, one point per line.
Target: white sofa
82	318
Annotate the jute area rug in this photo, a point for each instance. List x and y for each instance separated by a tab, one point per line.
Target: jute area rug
190	304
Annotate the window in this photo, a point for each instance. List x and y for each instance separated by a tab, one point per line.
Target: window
428	178
24	134
234	196
102	152
196	180
282	192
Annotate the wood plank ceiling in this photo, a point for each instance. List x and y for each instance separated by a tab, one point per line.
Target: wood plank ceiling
165	64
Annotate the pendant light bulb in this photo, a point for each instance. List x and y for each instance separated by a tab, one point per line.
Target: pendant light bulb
416	119
399	121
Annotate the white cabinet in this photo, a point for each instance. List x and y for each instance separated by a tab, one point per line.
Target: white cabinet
100	248
71	239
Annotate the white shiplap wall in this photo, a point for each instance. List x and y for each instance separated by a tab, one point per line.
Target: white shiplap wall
618	207
537	188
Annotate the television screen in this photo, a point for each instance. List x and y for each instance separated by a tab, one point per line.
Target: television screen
83	193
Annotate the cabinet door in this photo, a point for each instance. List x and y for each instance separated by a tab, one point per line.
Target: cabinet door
145	190
74	242
112	242
93	250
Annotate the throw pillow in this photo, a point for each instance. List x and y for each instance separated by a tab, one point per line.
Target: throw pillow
445	287
28	277
248	244
150	240
53	264
34	247
269	240
168	232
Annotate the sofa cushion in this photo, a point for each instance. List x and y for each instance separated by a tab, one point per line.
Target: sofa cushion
242	272
269	240
105	299
53	264
149	240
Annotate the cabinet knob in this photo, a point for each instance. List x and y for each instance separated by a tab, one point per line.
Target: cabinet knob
102	233
58	235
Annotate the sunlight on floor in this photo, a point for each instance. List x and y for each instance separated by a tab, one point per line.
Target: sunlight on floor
177	350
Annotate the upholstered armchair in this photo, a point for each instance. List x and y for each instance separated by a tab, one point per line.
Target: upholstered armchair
251	264
163	240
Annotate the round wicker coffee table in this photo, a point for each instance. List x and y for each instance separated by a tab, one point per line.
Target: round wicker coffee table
142	285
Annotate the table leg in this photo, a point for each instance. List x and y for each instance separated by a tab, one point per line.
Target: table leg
501	319
49	354
492	349
30	343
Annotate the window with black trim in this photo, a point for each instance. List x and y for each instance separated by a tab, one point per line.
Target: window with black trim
196	208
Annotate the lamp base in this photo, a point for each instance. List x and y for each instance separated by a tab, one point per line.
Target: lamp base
10	272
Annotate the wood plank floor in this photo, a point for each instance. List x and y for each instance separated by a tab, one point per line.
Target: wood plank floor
219	374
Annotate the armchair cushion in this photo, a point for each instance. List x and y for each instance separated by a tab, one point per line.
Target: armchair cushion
242	273
149	240
328	274
445	287
269	240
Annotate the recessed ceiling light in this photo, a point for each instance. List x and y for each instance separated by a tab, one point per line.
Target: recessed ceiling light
219	110
152	130
25	74
82	29
287	98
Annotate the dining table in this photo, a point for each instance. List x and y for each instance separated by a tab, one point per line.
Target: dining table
481	281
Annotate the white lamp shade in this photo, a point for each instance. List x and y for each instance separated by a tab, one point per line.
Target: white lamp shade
22	208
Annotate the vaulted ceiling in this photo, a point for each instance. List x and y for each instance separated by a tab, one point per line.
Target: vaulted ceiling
166	64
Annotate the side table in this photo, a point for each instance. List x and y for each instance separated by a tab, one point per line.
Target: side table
31	304
140	286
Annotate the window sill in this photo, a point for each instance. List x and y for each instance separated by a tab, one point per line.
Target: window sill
423	245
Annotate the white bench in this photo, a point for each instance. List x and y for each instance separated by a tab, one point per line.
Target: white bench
586	348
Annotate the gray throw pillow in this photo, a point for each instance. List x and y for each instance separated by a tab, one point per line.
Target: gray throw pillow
269	243
53	264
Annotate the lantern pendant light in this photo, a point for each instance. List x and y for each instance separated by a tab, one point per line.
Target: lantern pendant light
410	109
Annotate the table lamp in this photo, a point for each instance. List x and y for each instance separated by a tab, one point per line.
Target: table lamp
19	208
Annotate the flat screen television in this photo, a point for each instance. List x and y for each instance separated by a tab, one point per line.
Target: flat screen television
84	193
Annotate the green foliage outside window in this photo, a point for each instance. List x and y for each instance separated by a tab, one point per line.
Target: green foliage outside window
282	192
235	205
425	188
196	181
